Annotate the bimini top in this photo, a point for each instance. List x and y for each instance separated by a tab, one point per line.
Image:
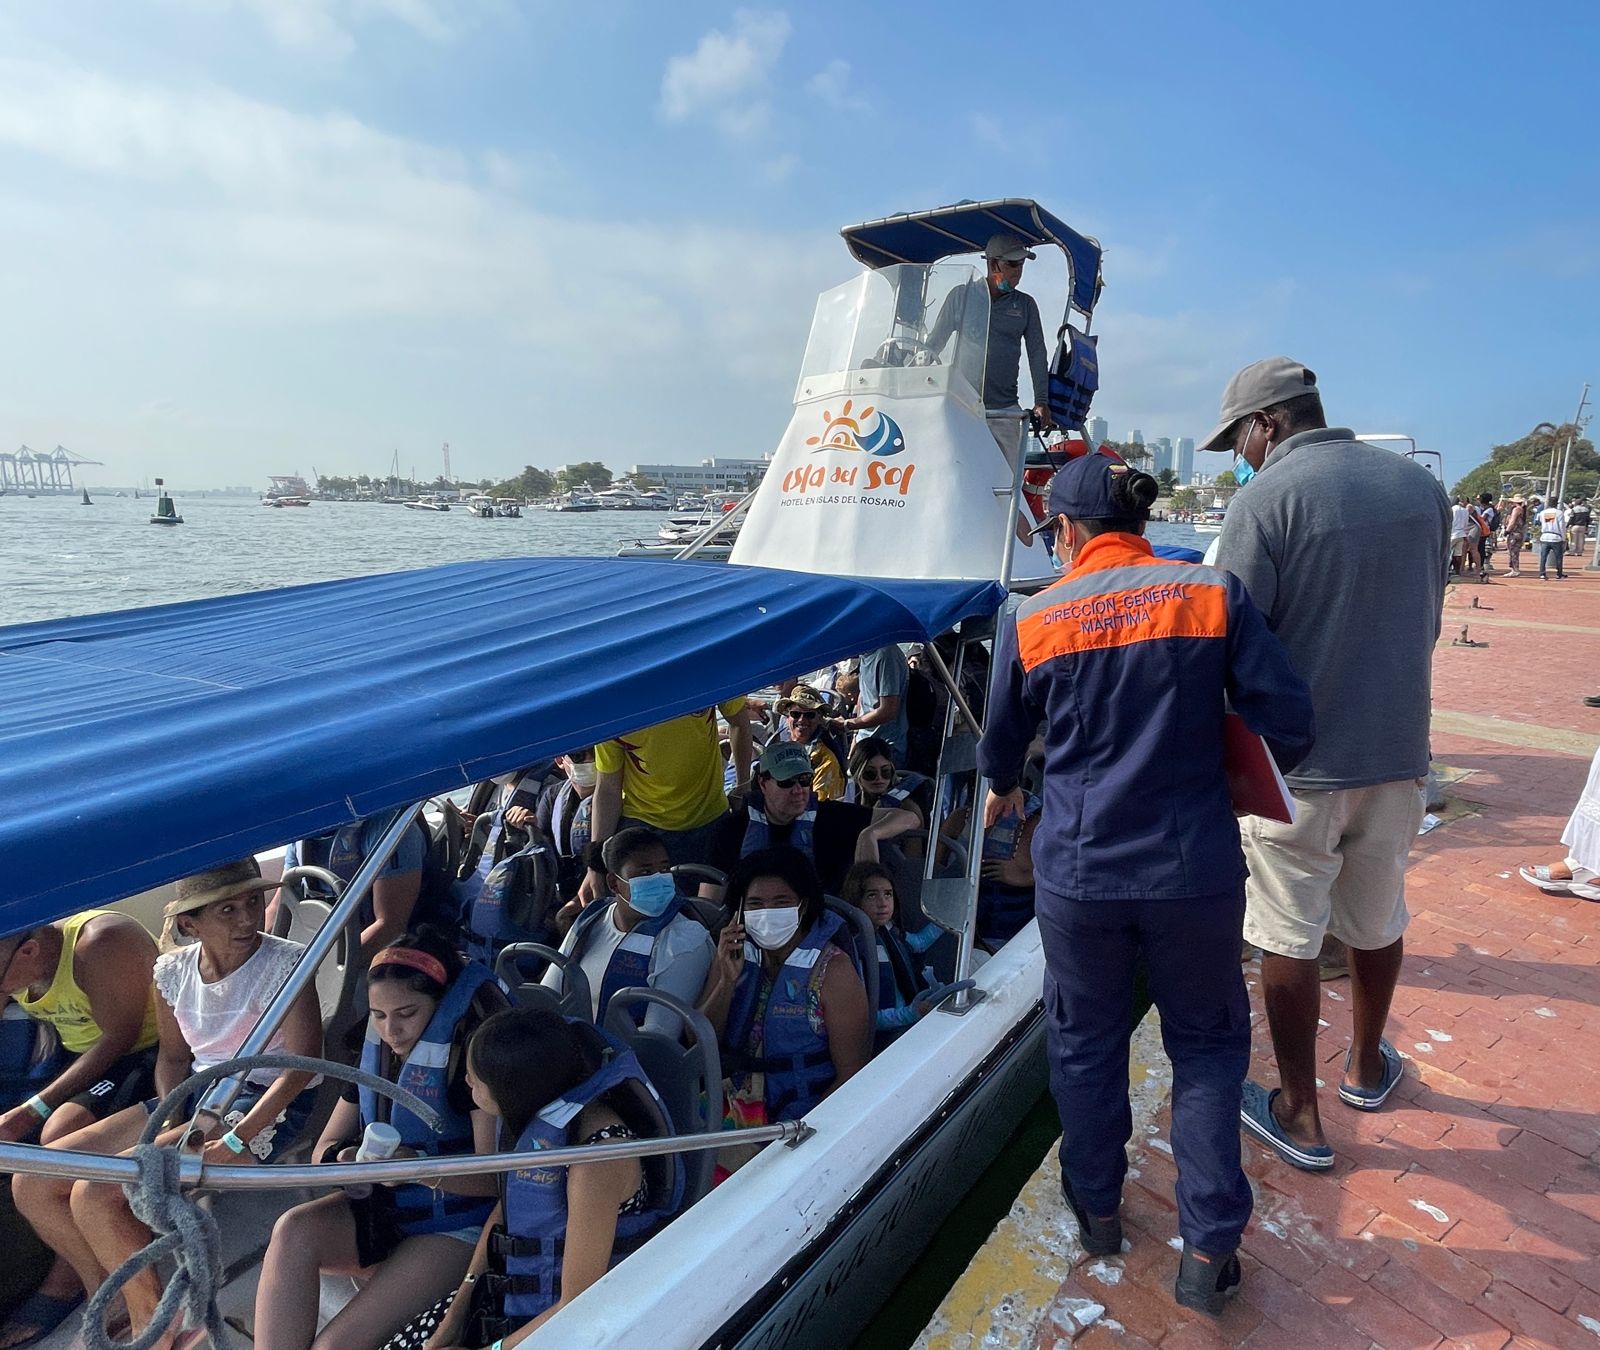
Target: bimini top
945	231
141	746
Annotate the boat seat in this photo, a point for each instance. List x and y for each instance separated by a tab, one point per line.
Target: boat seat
906	868
861	941
573	999
688	1077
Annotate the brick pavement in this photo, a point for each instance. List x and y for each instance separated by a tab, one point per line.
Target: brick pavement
1467	1212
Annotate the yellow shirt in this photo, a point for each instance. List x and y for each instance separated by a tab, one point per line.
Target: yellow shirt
66	1007
671	772
828	777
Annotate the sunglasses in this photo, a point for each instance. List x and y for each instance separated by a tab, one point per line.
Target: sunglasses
875	775
795	714
786	783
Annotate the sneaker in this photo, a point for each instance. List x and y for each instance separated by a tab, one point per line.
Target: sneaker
1100	1237
1204	1282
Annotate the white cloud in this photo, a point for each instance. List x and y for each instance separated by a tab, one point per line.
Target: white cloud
326	29
832	84
724	79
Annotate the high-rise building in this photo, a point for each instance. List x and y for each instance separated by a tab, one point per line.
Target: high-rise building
1185	458
1160	454
1136	437
1099	431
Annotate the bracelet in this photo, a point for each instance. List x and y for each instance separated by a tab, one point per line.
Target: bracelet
39	1106
498	1344
233	1143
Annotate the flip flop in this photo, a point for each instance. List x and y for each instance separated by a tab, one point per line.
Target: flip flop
1370	1099
1255	1114
43	1312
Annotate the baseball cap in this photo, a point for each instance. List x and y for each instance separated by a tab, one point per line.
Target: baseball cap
1006	247
785	759
1081	489
1262	385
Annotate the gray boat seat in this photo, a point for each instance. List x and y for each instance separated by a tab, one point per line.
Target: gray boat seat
688	1077
512	969
861	941
690	877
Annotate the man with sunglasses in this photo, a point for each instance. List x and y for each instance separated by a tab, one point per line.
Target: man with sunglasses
782	811
803	711
1013	321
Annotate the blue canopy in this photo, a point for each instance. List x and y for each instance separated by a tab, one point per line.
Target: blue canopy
141	746
946	231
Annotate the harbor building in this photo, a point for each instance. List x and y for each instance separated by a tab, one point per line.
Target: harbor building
709	475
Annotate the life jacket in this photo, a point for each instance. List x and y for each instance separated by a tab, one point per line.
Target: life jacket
515	904
794	1058
426	1073
528	1251
1074	377
1004	911
904	788
629	967
802	833
30	1056
343	852
898	980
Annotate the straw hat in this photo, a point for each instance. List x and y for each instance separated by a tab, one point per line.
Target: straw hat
220	883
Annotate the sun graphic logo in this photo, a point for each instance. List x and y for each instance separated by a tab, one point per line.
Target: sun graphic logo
868	432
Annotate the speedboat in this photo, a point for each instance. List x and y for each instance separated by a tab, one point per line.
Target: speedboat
569	502
427	502
509	507
482	507
889	515
286	501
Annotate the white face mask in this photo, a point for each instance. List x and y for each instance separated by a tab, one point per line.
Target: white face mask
582	775
770	929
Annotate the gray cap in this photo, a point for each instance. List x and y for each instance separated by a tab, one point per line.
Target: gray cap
1263	385
1006	248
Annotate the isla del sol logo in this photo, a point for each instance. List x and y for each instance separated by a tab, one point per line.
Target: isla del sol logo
870	432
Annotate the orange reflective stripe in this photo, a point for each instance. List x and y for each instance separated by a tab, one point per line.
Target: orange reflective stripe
1120	618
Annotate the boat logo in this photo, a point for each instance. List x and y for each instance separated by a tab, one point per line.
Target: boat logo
867	432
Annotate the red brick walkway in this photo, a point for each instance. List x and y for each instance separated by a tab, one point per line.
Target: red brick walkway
1468	1210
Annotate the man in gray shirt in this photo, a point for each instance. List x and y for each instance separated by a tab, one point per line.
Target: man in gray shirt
1345	548
882	700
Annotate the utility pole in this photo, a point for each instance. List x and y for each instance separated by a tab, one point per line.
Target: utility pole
448	479
1566	458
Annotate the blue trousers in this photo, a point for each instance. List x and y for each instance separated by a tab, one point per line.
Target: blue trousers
1191	952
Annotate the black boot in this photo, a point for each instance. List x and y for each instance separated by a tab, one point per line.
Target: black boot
1100	1237
1204	1282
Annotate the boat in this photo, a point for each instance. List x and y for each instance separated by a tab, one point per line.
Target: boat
427	502
287	490
509	507
286	501
482	507
166	512
575	501
625	497
800	1246
86	500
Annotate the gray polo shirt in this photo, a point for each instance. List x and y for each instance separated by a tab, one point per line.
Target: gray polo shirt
1345	548
1013	321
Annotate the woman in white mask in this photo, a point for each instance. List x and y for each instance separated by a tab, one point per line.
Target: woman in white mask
789	1006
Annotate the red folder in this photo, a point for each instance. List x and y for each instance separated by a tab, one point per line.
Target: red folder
1254	783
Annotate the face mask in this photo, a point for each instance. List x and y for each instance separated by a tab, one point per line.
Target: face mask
582	775
770	929
651	895
1243	471
1006	286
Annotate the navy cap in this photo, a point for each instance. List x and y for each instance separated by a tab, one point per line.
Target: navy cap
1081	489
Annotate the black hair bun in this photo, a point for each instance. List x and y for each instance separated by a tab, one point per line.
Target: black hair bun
1135	491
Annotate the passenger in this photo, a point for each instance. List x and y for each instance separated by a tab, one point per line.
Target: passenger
669	778
803	711
565	817
783	811
641	936
553	1083
392	905
89	977
512	818
882	678
409	1244
874	781
1005	886
788	1006
905	993
213	992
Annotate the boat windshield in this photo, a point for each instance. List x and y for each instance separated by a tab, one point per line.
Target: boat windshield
901	316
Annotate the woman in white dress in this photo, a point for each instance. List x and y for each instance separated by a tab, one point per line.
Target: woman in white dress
1579	872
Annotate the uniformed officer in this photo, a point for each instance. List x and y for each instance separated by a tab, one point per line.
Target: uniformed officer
1128	661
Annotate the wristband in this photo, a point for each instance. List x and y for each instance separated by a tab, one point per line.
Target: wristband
39	1106
497	1344
233	1143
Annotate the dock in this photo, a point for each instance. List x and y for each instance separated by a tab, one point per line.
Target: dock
1467	1211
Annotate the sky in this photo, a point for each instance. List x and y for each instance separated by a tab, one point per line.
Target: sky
248	237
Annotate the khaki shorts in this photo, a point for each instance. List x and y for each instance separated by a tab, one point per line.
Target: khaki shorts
1340	869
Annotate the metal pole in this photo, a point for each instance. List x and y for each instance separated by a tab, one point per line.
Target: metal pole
32	1159
949	682
720	523
1566	457
1016	462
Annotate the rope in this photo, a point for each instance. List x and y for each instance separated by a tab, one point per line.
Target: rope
184	1231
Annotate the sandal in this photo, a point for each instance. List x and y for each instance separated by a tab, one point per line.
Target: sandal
1540	877
1370	1099
1255	1114
44	1313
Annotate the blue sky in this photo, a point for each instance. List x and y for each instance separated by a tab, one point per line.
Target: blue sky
253	236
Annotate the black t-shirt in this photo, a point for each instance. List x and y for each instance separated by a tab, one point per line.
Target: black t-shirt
834	835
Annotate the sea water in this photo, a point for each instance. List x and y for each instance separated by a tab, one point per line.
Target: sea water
59	558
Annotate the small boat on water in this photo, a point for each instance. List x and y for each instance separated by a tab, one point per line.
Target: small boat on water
86	500
482	507
286	501
288	489
427	502
569	502
509	507
166	511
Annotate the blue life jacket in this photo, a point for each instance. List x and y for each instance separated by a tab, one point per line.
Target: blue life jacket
1074	377
515	904
629	967
758	833
528	1252
1004	911
426	1073
794	1058
898	979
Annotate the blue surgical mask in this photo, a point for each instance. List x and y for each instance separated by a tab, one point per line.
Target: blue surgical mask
650	895
1005	286
1243	471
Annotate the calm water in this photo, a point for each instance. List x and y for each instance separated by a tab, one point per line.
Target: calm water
58	557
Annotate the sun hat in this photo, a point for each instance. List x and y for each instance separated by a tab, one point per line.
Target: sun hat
802	698
1262	385
219	883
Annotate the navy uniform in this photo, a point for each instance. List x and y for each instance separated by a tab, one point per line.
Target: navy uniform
1127	661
